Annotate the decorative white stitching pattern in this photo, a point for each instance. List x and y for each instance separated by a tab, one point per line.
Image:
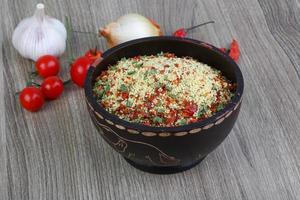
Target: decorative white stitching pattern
228	114
181	133
207	126
149	134
120	127
133	131
196	130
219	121
164	134
98	115
109	122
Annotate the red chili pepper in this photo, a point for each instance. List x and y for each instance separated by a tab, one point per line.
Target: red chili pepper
147	123
136	57
125	95
189	109
181	32
172	117
193	120
234	51
169	55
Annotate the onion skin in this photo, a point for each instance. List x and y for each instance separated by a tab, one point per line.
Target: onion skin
129	27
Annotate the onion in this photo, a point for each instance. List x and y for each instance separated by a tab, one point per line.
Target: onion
129	27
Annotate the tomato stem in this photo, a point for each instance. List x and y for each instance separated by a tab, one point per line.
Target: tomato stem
32	83
71	60
33	74
67	82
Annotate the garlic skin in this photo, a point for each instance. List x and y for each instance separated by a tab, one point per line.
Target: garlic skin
129	27
40	35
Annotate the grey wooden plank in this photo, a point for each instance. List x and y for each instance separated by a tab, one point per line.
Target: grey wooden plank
3	154
283	26
57	154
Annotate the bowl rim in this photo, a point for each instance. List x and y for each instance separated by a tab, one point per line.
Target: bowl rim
92	101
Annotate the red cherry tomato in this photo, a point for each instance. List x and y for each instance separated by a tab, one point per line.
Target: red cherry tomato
93	54
52	87
47	65
31	98
79	70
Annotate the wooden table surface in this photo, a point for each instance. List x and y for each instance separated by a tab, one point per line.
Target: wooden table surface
57	153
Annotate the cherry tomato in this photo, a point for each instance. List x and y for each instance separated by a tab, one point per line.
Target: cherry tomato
47	65
79	70
52	87
93	54
31	98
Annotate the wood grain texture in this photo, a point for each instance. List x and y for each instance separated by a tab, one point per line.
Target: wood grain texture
58	154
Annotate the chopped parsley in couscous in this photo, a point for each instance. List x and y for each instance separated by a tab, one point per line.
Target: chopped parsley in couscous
162	90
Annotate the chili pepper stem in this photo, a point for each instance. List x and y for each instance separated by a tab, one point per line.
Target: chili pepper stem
203	24
95	50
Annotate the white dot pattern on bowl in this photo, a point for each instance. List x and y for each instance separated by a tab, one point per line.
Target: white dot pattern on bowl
164	134
149	134
98	115
133	131
181	133
109	122
220	119
196	130
228	114
207	126
90	106
120	127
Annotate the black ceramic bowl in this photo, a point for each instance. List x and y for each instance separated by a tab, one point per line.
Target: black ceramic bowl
165	149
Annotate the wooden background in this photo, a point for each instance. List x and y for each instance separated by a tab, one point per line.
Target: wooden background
58	154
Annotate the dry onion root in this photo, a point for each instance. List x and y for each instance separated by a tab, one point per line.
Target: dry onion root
129	27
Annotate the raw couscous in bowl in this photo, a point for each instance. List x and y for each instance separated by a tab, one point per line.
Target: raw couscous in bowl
164	103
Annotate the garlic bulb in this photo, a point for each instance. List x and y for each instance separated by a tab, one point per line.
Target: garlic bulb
39	35
129	27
